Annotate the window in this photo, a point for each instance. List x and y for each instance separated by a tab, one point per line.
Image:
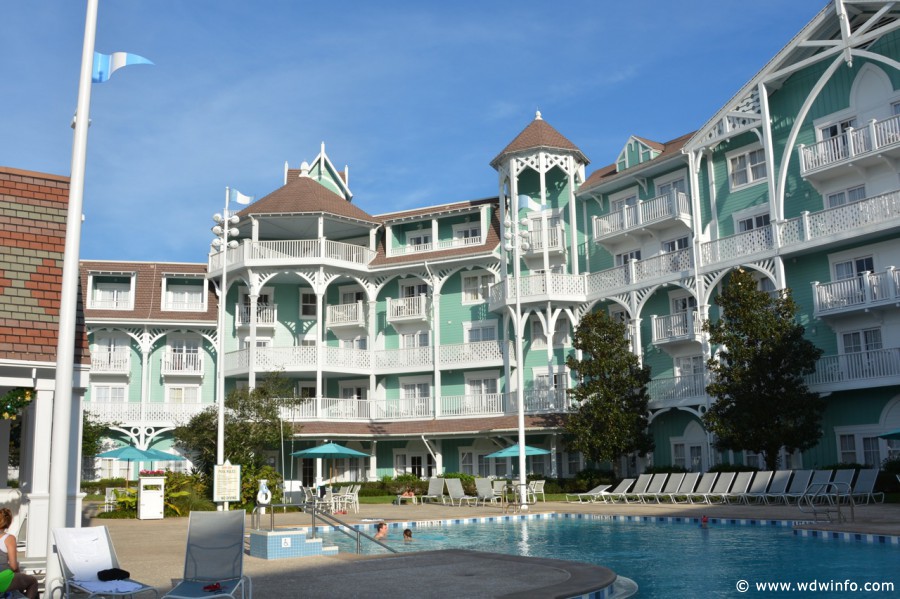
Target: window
184	295
848	449
308	304
183	395
746	168
871	454
542	380
110	353
475	287
626	257
260	342
753	222
417	339
684	303
420	239
467	233
112	293
483	330
354	390
846	196
466	462
853	268
184	355
618	204
676	185
675	245
480	384
539	337
305	390
108	393
859	341
618	314
413	289
836	129
355	343
688	365
352	296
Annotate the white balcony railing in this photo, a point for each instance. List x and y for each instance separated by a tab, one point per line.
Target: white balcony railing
123	302
130	413
409	357
857	366
182	363
472	405
737	246
184	306
441	244
252	253
556	241
407	308
673	327
115	361
479	352
346	357
543	400
862	292
677	389
266	314
662	265
852	143
646	212
345	315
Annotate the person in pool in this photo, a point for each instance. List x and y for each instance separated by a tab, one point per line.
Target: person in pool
381	531
407	536
10	577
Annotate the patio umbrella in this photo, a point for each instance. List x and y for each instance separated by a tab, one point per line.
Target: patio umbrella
329	450
894	434
513	451
130	453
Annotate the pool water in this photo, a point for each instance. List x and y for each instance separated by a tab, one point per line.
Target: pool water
667	559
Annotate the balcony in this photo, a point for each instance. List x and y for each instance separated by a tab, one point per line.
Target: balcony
737	248
539	401
677	391
441	244
266	315
489	404
352	409
470	355
676	329
407	309
408	359
117	361
541	287
555	241
345	316
858	370
122	302
874	142
183	364
184	306
271	359
866	292
298	252
150	413
656	213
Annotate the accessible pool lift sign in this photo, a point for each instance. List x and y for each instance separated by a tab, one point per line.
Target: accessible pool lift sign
226	482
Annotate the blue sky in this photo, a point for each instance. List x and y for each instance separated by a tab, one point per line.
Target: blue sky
416	97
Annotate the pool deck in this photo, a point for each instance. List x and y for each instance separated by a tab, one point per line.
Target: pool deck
153	550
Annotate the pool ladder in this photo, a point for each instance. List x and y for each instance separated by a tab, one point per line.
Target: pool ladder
825	500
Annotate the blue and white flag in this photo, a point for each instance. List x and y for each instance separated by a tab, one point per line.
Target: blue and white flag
107	64
235	196
526	203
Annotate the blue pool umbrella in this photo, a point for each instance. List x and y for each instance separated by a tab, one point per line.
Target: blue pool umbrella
130	453
894	434
513	451
329	450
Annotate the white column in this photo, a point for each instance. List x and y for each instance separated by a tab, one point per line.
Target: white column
438	456
251	340
553	472
373	462
75	496
434	233
5	426
39	435
436	352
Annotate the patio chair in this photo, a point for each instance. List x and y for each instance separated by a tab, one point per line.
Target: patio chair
653	487
688	483
500	487
214	558
758	487
721	488
639	487
778	486
485	491
671	486
457	494
621	489
591	496
435	491
703	487
842	485
82	553
817	477
739	488
535	488
865	486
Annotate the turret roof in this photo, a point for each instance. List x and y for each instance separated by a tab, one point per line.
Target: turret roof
539	134
305	195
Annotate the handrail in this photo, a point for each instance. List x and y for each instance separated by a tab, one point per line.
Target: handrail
314	511
826	498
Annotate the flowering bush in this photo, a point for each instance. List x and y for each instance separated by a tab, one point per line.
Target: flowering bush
153	472
13	402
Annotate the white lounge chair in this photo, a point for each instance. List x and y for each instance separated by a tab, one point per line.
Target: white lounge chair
535	488
456	492
738	488
722	487
703	487
864	488
818	478
591	496
757	488
778	486
654	487
435	491
485	491
688	483
639	487
214	558
82	553
671	486
621	489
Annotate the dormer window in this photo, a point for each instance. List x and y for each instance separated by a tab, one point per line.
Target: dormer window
186	295
112	292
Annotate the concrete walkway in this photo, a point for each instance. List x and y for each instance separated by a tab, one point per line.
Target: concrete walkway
153	551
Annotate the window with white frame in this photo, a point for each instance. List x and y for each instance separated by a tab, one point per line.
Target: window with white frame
481	383
413	289
683	303
467	233
182	394
351	295
674	245
846	196
183	354
573	463
260	342
677	185
544	381
616	204
618	314
105	393
112	292
305	389
832	130
862	340
847	269
626	257
419	464
475	287
539	336
861	445
308	304
480	330
415	339
360	342
420	238
746	167
354	389
848	449
750	223
689	365
111	352
184	294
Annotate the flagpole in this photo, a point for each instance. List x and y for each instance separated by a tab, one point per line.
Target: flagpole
61	443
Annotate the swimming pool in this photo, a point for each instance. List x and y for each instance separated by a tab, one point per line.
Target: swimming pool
666	559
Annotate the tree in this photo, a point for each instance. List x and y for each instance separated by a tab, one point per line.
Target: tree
92	434
611	417
762	401
252	425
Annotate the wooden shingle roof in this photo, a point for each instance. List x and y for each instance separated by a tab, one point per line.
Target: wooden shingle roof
539	134
305	195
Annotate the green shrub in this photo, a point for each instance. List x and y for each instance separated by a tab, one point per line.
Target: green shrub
99	486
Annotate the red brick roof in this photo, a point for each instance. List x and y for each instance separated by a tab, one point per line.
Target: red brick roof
148	294
305	195
539	134
32	240
506	424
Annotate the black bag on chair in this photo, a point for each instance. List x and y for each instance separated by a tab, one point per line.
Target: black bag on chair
113	574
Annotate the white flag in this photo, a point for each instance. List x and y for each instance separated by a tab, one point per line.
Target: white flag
235	196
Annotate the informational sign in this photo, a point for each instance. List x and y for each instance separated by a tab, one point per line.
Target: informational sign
226	482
